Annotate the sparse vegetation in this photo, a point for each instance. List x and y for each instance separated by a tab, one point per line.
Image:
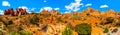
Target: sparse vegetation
76	17
22	32
117	24
34	20
1	32
106	30
14	33
2	25
109	19
67	31
60	20
83	29
9	22
19	22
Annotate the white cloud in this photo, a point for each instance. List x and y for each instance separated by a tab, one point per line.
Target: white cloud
82	6
28	9
23	7
67	12
32	9
49	9
56	8
44	1
46	8
74	6
104	6
5	3
76	9
41	9
1	12
88	4
78	1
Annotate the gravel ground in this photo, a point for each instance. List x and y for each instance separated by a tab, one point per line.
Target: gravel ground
118	32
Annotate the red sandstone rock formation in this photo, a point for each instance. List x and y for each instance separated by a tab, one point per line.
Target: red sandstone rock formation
10	11
20	11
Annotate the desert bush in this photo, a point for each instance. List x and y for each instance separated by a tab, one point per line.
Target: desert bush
109	19
14	33
22	32
34	20
70	26
83	29
106	30
59	20
76	17
9	22
1	33
2	25
67	31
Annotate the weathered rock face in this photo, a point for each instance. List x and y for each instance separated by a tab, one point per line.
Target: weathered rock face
54	12
6	12
117	15
44	12
110	13
10	11
32	13
20	11
90	10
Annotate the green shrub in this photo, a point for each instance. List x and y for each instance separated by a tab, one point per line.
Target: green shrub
108	33
75	17
110	19
14	33
22	32
117	24
34	20
1	32
9	22
67	31
106	30
59	20
83	29
70	26
2	25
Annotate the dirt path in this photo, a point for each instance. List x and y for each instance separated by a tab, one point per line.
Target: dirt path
118	32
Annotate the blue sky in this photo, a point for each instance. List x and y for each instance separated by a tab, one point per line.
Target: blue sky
60	5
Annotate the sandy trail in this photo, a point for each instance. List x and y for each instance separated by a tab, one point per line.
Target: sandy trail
118	32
